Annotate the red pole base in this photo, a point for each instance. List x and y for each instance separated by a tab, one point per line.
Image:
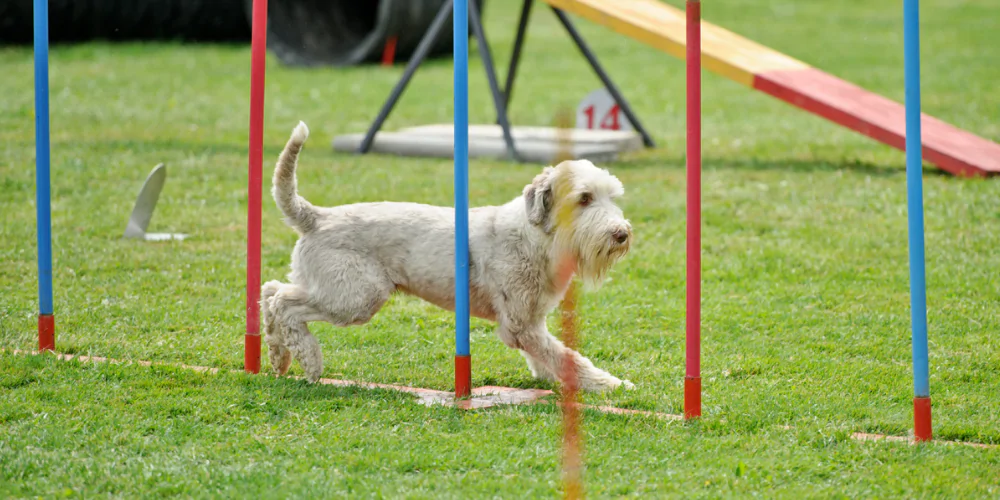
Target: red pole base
251	353
922	419
692	397
389	51
46	332
463	376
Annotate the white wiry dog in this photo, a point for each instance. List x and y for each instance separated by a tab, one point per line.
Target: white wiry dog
349	259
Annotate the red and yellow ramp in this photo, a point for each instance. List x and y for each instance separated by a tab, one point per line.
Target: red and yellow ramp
749	63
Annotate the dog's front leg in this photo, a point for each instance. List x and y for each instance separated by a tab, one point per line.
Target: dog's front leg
538	369
546	355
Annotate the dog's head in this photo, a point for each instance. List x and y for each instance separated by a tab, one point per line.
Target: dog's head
575	202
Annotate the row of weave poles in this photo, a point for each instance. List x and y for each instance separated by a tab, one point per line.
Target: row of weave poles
572	437
463	385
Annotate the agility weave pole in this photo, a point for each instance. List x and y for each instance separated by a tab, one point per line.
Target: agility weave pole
463	357
570	405
922	400
915	218
692	378
43	191
258	63
692	409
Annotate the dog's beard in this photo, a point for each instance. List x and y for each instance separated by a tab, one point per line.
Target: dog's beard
595	259
594	254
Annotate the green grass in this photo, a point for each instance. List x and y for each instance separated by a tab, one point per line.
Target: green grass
806	301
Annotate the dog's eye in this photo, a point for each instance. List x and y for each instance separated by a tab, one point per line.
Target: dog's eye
585	199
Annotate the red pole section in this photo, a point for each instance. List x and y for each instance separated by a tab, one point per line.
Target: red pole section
46	332
692	379
922	419
258	63
463	376
389	51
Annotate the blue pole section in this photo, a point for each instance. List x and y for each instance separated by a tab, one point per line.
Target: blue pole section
42	189
914	198
460	32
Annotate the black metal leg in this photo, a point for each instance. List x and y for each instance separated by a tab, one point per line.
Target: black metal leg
418	57
592	59
491	76
515	57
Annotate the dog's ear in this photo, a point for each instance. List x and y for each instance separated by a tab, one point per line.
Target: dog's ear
538	197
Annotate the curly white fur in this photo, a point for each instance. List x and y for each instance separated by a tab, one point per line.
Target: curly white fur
349	259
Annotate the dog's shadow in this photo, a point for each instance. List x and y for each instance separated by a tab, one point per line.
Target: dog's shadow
296	392
280	395
518	383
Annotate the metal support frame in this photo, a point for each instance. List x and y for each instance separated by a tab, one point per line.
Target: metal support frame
515	57
501	96
603	75
418	57
499	101
411	67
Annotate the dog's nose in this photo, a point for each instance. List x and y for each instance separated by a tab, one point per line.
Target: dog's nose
620	235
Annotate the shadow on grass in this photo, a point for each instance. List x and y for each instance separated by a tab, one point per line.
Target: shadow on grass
795	165
300	391
517	383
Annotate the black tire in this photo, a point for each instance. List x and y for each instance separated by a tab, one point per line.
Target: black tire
299	32
350	32
127	20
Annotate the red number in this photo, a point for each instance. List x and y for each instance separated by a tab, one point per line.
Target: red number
610	120
589	111
613	115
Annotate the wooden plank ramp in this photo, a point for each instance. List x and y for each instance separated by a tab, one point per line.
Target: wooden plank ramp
661	26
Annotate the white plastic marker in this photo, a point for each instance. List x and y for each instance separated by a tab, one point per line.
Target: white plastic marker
145	203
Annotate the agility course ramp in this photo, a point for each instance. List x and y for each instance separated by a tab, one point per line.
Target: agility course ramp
662	27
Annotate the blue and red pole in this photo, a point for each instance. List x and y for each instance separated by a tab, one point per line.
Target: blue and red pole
43	193
915	213
463	359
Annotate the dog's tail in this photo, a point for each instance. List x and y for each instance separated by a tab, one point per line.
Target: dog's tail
299	213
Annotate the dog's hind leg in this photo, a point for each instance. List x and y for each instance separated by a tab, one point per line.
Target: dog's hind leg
280	357
292	309
352	290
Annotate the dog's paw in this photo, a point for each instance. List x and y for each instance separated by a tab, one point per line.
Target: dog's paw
622	384
281	362
605	383
312	372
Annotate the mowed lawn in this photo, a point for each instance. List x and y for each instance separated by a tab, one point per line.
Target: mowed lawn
806	317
